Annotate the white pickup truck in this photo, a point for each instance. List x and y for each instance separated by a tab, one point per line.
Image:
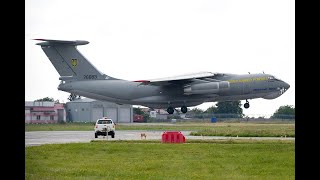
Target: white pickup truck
104	126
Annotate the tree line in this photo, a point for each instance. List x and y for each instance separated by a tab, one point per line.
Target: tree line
233	109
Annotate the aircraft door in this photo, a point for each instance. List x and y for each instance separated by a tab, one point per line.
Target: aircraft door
60	115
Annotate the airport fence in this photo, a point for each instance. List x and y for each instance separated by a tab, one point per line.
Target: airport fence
211	117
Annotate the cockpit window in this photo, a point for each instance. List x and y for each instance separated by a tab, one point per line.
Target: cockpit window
274	78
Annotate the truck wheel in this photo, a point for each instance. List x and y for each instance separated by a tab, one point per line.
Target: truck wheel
112	135
95	135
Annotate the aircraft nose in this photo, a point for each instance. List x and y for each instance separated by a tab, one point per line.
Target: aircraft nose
283	87
286	86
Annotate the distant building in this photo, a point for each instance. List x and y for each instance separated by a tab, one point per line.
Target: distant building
44	112
89	110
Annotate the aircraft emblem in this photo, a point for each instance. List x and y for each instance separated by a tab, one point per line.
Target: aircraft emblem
74	62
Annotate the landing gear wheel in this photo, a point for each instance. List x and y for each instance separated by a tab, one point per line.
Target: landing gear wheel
246	105
170	110
184	109
95	135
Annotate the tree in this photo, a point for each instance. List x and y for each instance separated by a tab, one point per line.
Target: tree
196	111
48	99
211	109
73	97
140	112
45	99
229	109
284	112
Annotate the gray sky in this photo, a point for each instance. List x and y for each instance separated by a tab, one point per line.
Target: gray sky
146	39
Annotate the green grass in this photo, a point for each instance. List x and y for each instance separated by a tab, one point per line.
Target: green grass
249	130
242	129
153	160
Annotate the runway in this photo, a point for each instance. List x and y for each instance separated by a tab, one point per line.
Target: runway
36	138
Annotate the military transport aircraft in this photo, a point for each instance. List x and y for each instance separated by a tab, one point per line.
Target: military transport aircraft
78	76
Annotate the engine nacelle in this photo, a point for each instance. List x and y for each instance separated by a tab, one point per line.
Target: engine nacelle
207	88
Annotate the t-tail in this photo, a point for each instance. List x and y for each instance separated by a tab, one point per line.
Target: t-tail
69	62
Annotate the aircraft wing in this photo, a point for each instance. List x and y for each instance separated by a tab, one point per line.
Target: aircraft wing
183	79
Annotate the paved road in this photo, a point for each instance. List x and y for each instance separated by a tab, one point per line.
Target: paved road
35	138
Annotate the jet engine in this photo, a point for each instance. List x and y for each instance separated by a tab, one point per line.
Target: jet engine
206	88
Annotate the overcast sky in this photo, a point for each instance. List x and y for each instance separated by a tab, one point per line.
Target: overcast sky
148	39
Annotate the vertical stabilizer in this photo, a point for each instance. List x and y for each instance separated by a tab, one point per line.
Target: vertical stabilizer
68	61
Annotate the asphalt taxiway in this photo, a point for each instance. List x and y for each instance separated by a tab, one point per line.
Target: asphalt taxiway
35	138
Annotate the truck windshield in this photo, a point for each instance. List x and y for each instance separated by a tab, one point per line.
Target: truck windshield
104	122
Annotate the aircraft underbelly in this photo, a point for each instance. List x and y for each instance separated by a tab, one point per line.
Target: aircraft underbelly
122	90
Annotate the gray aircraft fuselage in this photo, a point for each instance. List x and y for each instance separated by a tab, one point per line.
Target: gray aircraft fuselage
78	76
248	86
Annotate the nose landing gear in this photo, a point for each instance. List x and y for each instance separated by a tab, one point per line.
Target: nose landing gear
246	105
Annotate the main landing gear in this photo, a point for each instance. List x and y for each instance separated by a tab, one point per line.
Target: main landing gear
170	110
246	105
184	109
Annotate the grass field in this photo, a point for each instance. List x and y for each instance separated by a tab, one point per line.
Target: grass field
154	160
248	130
206	129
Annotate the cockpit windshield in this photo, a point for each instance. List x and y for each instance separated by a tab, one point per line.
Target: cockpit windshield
273	78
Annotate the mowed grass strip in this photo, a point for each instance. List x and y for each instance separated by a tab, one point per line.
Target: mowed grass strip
133	160
249	130
204	129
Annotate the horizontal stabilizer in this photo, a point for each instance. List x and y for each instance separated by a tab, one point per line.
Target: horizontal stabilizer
61	42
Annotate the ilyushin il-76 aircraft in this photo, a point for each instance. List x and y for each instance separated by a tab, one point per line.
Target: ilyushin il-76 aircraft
78	76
